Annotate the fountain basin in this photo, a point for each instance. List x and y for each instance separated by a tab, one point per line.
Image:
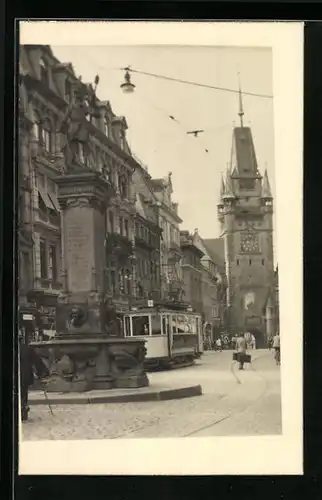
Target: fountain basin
93	363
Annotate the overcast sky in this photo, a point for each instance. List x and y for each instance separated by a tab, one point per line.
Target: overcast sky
163	144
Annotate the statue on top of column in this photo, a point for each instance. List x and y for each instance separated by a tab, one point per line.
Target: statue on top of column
74	130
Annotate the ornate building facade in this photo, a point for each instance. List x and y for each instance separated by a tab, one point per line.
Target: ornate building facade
213	289
55	107
147	237
172	284
245	212
192	271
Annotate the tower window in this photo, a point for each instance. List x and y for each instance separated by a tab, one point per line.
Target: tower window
263	262
250	262
237	262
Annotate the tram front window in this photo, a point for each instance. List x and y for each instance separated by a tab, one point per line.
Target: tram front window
140	325
155	325
127	326
182	326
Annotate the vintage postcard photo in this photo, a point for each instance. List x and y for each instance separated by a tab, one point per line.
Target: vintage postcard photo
160	240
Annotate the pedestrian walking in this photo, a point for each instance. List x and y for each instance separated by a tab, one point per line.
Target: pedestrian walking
253	341
269	343
241	348
277	348
29	361
218	344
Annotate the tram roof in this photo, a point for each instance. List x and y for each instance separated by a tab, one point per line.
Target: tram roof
154	310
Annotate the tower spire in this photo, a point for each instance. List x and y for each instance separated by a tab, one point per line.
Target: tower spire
222	186
228	187
266	189
241	109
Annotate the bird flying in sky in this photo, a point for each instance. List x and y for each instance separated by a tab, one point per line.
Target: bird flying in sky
195	132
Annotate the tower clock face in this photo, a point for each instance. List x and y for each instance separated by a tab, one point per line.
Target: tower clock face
249	243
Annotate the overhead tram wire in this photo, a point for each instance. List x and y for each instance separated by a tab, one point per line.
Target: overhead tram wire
196	84
175	120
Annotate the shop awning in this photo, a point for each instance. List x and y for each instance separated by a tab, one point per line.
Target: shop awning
54	201
45	198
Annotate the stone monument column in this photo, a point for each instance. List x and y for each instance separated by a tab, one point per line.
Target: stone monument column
86	354
83	198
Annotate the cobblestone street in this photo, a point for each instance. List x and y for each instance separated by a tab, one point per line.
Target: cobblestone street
227	407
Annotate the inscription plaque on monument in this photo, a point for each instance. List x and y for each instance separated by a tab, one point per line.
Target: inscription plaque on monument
79	250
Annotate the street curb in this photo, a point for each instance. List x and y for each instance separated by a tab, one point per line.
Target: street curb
164	395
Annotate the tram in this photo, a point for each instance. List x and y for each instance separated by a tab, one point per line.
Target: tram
173	334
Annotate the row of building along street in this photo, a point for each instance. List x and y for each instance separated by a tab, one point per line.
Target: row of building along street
151	257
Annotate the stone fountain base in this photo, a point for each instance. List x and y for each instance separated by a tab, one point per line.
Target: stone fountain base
93	363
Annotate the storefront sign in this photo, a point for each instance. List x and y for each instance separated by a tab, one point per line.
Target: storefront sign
27	317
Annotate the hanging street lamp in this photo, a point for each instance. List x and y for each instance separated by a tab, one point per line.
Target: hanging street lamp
127	86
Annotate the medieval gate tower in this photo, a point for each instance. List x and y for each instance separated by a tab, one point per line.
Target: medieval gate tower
245	212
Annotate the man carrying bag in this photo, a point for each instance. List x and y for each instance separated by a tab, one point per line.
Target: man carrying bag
241	356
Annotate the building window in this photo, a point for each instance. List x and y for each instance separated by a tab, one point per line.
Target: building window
263	262
126	228
37	128
46	136
237	262
111	221
113	284
81	154
52	264
25	271
123	186
250	262
43	260
121	226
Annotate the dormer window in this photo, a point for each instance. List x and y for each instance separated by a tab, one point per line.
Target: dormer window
68	91
106	126
43	71
122	139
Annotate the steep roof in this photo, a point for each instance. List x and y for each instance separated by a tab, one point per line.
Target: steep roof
216	250
140	205
222	187
243	153
228	193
